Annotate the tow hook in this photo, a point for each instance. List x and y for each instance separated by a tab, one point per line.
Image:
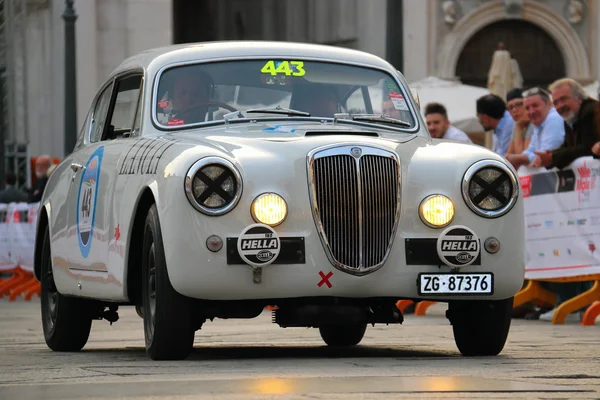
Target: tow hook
111	314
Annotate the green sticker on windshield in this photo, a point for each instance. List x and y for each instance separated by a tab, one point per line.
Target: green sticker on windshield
289	68
391	86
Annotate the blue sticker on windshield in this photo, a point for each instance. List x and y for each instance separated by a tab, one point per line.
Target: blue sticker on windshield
280	129
86	201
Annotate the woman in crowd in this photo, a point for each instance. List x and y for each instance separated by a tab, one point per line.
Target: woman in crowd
523	129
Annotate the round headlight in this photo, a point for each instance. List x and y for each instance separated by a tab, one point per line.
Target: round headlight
436	211
490	188
213	186
269	209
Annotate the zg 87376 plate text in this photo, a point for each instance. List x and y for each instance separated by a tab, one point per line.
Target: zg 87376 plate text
448	283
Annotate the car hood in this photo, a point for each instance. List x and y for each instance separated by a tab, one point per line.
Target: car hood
277	137
275	143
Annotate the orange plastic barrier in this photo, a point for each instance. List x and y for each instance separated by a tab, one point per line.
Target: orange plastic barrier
29	287
533	291
421	307
21	282
402	304
590	315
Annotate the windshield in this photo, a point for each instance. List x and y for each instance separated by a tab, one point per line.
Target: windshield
199	93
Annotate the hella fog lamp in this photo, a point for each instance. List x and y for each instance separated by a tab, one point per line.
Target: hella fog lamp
269	209
436	211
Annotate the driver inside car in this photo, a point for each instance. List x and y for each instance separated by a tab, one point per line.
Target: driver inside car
187	102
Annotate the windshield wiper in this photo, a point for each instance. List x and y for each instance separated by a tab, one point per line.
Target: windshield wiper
278	110
375	118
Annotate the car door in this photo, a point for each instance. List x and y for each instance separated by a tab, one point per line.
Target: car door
122	131
91	193
75	254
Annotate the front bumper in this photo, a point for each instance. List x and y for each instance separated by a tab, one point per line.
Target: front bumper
302	266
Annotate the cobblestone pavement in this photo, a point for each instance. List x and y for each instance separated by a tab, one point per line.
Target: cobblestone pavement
255	359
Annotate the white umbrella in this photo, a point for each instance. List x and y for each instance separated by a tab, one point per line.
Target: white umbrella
500	76
593	90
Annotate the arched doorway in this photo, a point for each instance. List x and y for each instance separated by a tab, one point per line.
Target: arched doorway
540	60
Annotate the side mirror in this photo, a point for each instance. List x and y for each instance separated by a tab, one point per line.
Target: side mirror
415	94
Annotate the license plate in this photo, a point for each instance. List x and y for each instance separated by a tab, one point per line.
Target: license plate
442	284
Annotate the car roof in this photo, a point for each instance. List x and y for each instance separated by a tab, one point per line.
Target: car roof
156	58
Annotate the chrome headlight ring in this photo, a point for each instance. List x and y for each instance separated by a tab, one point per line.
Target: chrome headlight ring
489	176
213	186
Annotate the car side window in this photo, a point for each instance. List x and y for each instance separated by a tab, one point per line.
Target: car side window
138	114
124	107
99	116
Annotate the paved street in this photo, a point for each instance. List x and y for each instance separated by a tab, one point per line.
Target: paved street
255	359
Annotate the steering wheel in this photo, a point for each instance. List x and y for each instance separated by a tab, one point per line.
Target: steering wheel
226	106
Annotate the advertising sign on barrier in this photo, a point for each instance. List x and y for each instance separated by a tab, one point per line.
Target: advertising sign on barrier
17	235
562	219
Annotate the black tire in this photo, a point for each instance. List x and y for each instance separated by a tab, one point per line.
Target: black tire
66	321
480	327
166	313
342	335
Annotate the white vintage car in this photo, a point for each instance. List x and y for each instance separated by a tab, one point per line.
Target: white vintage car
214	179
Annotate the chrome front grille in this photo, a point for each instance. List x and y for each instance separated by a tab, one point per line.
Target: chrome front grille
356	203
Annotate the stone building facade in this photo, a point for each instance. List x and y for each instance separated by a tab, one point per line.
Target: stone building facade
445	38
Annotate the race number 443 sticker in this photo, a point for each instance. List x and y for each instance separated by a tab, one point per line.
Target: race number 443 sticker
259	245
86	201
458	246
293	68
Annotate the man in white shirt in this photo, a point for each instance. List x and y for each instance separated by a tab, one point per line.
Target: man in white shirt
439	126
549	128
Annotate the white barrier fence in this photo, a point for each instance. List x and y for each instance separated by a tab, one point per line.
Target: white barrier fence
17	235
562	219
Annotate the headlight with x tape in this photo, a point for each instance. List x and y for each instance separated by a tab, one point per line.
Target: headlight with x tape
490	188
213	186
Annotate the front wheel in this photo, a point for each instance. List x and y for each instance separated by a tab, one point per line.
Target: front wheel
66	321
342	335
166	313
480	327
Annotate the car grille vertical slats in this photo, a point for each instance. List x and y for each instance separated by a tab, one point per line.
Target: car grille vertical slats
356	206
336	186
379	206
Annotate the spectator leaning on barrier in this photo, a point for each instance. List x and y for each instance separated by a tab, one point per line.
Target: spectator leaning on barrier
578	112
439	125
549	128
492	114
523	128
11	193
42	164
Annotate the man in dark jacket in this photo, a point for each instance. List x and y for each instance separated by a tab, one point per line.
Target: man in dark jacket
42	163
578	110
11	193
